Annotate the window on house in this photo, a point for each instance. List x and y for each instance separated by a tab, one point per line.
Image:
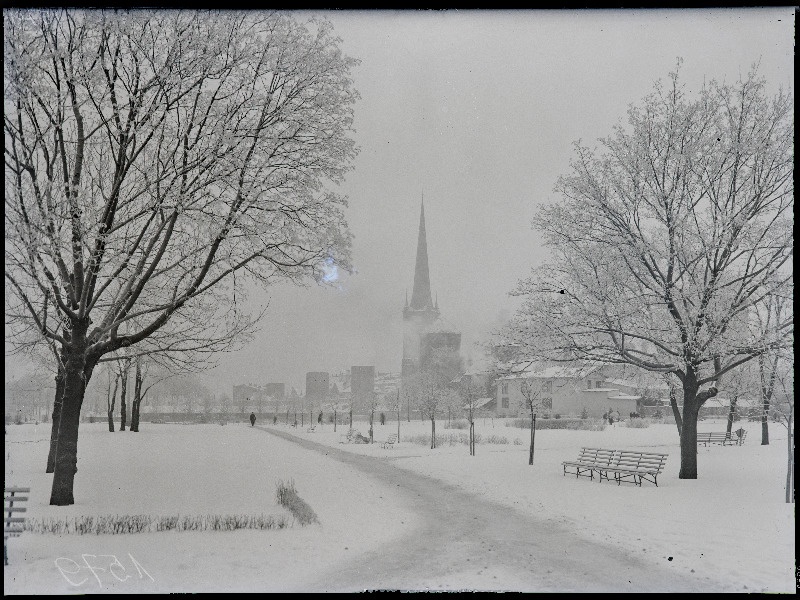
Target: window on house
547	403
547	386
504	387
599	384
505	403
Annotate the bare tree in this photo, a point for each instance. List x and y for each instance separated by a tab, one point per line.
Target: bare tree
772	314
470	395
430	385
666	242
783	411
150	156
531	390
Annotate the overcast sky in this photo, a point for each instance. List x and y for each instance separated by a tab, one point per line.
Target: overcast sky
478	110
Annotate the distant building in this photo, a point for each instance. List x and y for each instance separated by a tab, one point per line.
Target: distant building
260	398
438	340
317	388
565	390
362	386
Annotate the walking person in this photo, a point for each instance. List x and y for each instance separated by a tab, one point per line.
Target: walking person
252	419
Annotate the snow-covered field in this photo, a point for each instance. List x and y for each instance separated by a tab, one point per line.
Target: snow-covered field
730	524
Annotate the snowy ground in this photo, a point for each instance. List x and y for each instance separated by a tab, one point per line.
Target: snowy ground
730	524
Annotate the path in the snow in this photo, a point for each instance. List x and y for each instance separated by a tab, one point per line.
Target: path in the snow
468	543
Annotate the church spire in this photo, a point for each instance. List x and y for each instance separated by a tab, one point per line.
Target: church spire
421	294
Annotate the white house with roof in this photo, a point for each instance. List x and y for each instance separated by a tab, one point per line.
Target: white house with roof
564	390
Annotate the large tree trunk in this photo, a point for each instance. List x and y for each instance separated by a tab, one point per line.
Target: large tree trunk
765	424
688	434
77	372
692	401
433	432
51	455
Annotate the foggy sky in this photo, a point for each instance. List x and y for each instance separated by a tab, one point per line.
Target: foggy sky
478	110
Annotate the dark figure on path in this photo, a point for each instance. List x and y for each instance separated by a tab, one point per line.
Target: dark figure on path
252	419
275	420
319	418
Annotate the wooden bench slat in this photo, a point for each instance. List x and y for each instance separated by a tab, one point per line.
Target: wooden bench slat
14	519
10	509
14	498
15	489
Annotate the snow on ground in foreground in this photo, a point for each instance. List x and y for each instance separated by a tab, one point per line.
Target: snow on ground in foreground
190	470
730	524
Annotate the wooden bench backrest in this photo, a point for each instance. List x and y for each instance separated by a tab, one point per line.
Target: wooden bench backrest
10	498
648	461
600	456
392	438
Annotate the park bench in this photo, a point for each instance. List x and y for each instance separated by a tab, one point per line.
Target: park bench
13	525
588	460
390	441
624	464
722	437
638	466
311	429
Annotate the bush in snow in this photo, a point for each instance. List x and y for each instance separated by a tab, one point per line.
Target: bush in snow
288	498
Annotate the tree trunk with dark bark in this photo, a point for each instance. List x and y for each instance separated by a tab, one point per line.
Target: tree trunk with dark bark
137	397
77	372
112	402
433	431
533	436
51	455
692	401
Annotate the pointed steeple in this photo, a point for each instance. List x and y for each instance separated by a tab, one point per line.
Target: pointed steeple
421	294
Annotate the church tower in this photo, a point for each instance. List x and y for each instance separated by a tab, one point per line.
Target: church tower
419	316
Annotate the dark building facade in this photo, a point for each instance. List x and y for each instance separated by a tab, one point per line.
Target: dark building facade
434	340
317	386
362	385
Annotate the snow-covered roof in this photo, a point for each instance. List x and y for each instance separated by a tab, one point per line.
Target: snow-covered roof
556	372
